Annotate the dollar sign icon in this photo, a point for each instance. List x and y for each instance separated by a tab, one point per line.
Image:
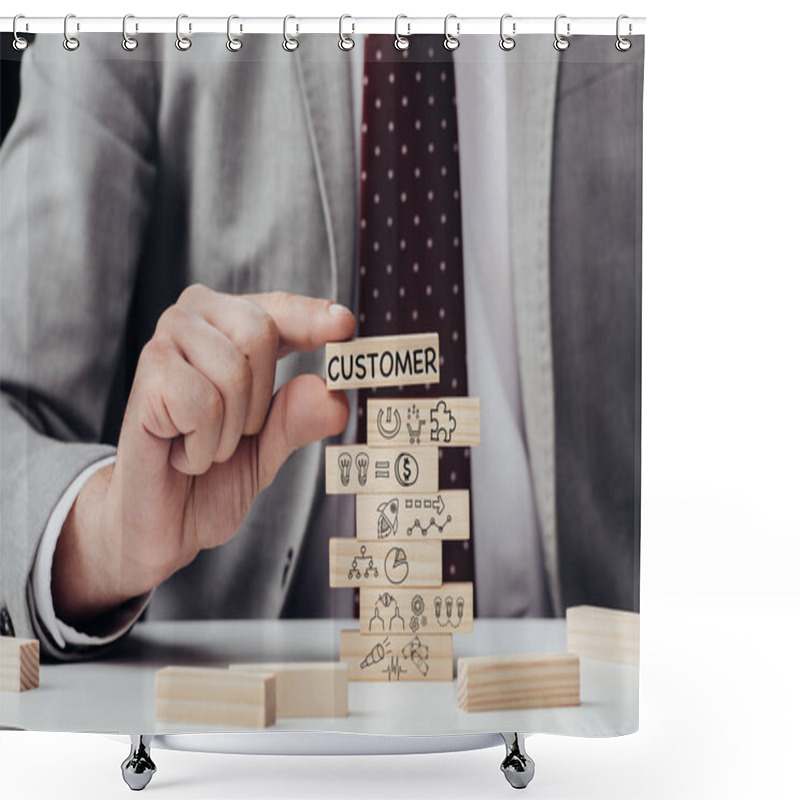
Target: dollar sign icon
406	469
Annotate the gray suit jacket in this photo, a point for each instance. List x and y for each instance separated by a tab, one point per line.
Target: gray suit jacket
127	176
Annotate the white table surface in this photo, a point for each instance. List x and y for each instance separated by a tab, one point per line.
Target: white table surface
116	694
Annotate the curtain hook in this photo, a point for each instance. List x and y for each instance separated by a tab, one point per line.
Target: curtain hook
233	44
290	44
507	42
129	43
182	42
70	42
20	43
345	42
623	44
560	43
401	42
451	42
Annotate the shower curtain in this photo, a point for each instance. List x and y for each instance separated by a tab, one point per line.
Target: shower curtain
321	382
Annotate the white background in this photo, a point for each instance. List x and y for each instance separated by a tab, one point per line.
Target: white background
720	440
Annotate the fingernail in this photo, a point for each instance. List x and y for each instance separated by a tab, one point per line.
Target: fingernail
336	310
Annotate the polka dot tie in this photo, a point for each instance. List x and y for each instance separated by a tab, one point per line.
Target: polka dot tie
411	276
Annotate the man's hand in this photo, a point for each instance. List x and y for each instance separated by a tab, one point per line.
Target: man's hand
201	436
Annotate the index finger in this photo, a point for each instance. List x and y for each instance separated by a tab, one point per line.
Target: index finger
305	323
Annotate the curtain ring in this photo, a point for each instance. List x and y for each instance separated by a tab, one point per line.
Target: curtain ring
345	42
70	42
623	44
401	42
560	43
233	44
290	44
129	43
451	42
20	43
182	42
507	42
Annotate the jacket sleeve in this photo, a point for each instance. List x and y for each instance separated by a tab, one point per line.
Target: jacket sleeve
76	175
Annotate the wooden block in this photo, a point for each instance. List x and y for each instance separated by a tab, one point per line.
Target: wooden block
351	469
604	634
442	421
397	657
355	563
498	683
425	517
383	361
306	689
445	609
19	664
209	696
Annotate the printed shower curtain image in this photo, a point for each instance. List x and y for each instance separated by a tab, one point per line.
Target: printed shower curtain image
321	385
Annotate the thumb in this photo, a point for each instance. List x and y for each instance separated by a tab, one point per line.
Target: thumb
303	411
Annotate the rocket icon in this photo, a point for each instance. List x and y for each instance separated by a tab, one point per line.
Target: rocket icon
387	518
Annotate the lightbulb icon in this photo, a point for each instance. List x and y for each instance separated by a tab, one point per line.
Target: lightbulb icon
345	462
362	465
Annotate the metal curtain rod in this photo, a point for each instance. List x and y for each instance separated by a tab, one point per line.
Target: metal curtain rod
458	26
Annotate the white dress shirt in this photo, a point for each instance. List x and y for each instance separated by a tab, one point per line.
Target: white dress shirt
509	566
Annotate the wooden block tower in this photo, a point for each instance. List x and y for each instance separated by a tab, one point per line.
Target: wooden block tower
407	614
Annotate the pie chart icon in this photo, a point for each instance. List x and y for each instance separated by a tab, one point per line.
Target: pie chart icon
395	565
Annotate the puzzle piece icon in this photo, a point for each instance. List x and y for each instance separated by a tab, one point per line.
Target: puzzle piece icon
443	423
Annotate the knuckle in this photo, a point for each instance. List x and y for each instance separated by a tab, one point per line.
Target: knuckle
154	353
174	317
212	406
240	377
280	298
266	330
192	293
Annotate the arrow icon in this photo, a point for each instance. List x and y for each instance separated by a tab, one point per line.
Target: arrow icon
437	505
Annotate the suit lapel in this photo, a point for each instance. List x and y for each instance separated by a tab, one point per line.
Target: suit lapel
531	85
326	93
324	80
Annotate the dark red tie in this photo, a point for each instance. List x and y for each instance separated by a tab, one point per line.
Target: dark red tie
411	275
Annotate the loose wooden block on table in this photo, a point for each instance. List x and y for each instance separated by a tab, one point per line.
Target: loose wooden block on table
604	634
383	361
499	683
355	563
397	657
19	664
445	609
306	689
442	421
209	696
351	469
426	517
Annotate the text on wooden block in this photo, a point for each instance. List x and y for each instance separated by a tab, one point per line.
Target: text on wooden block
351	469
357	563
439	515
442	421
397	657
383	361
445	609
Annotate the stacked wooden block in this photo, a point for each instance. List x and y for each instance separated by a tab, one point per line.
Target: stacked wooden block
407	614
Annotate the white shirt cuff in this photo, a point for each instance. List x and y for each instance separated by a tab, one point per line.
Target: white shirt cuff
62	633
